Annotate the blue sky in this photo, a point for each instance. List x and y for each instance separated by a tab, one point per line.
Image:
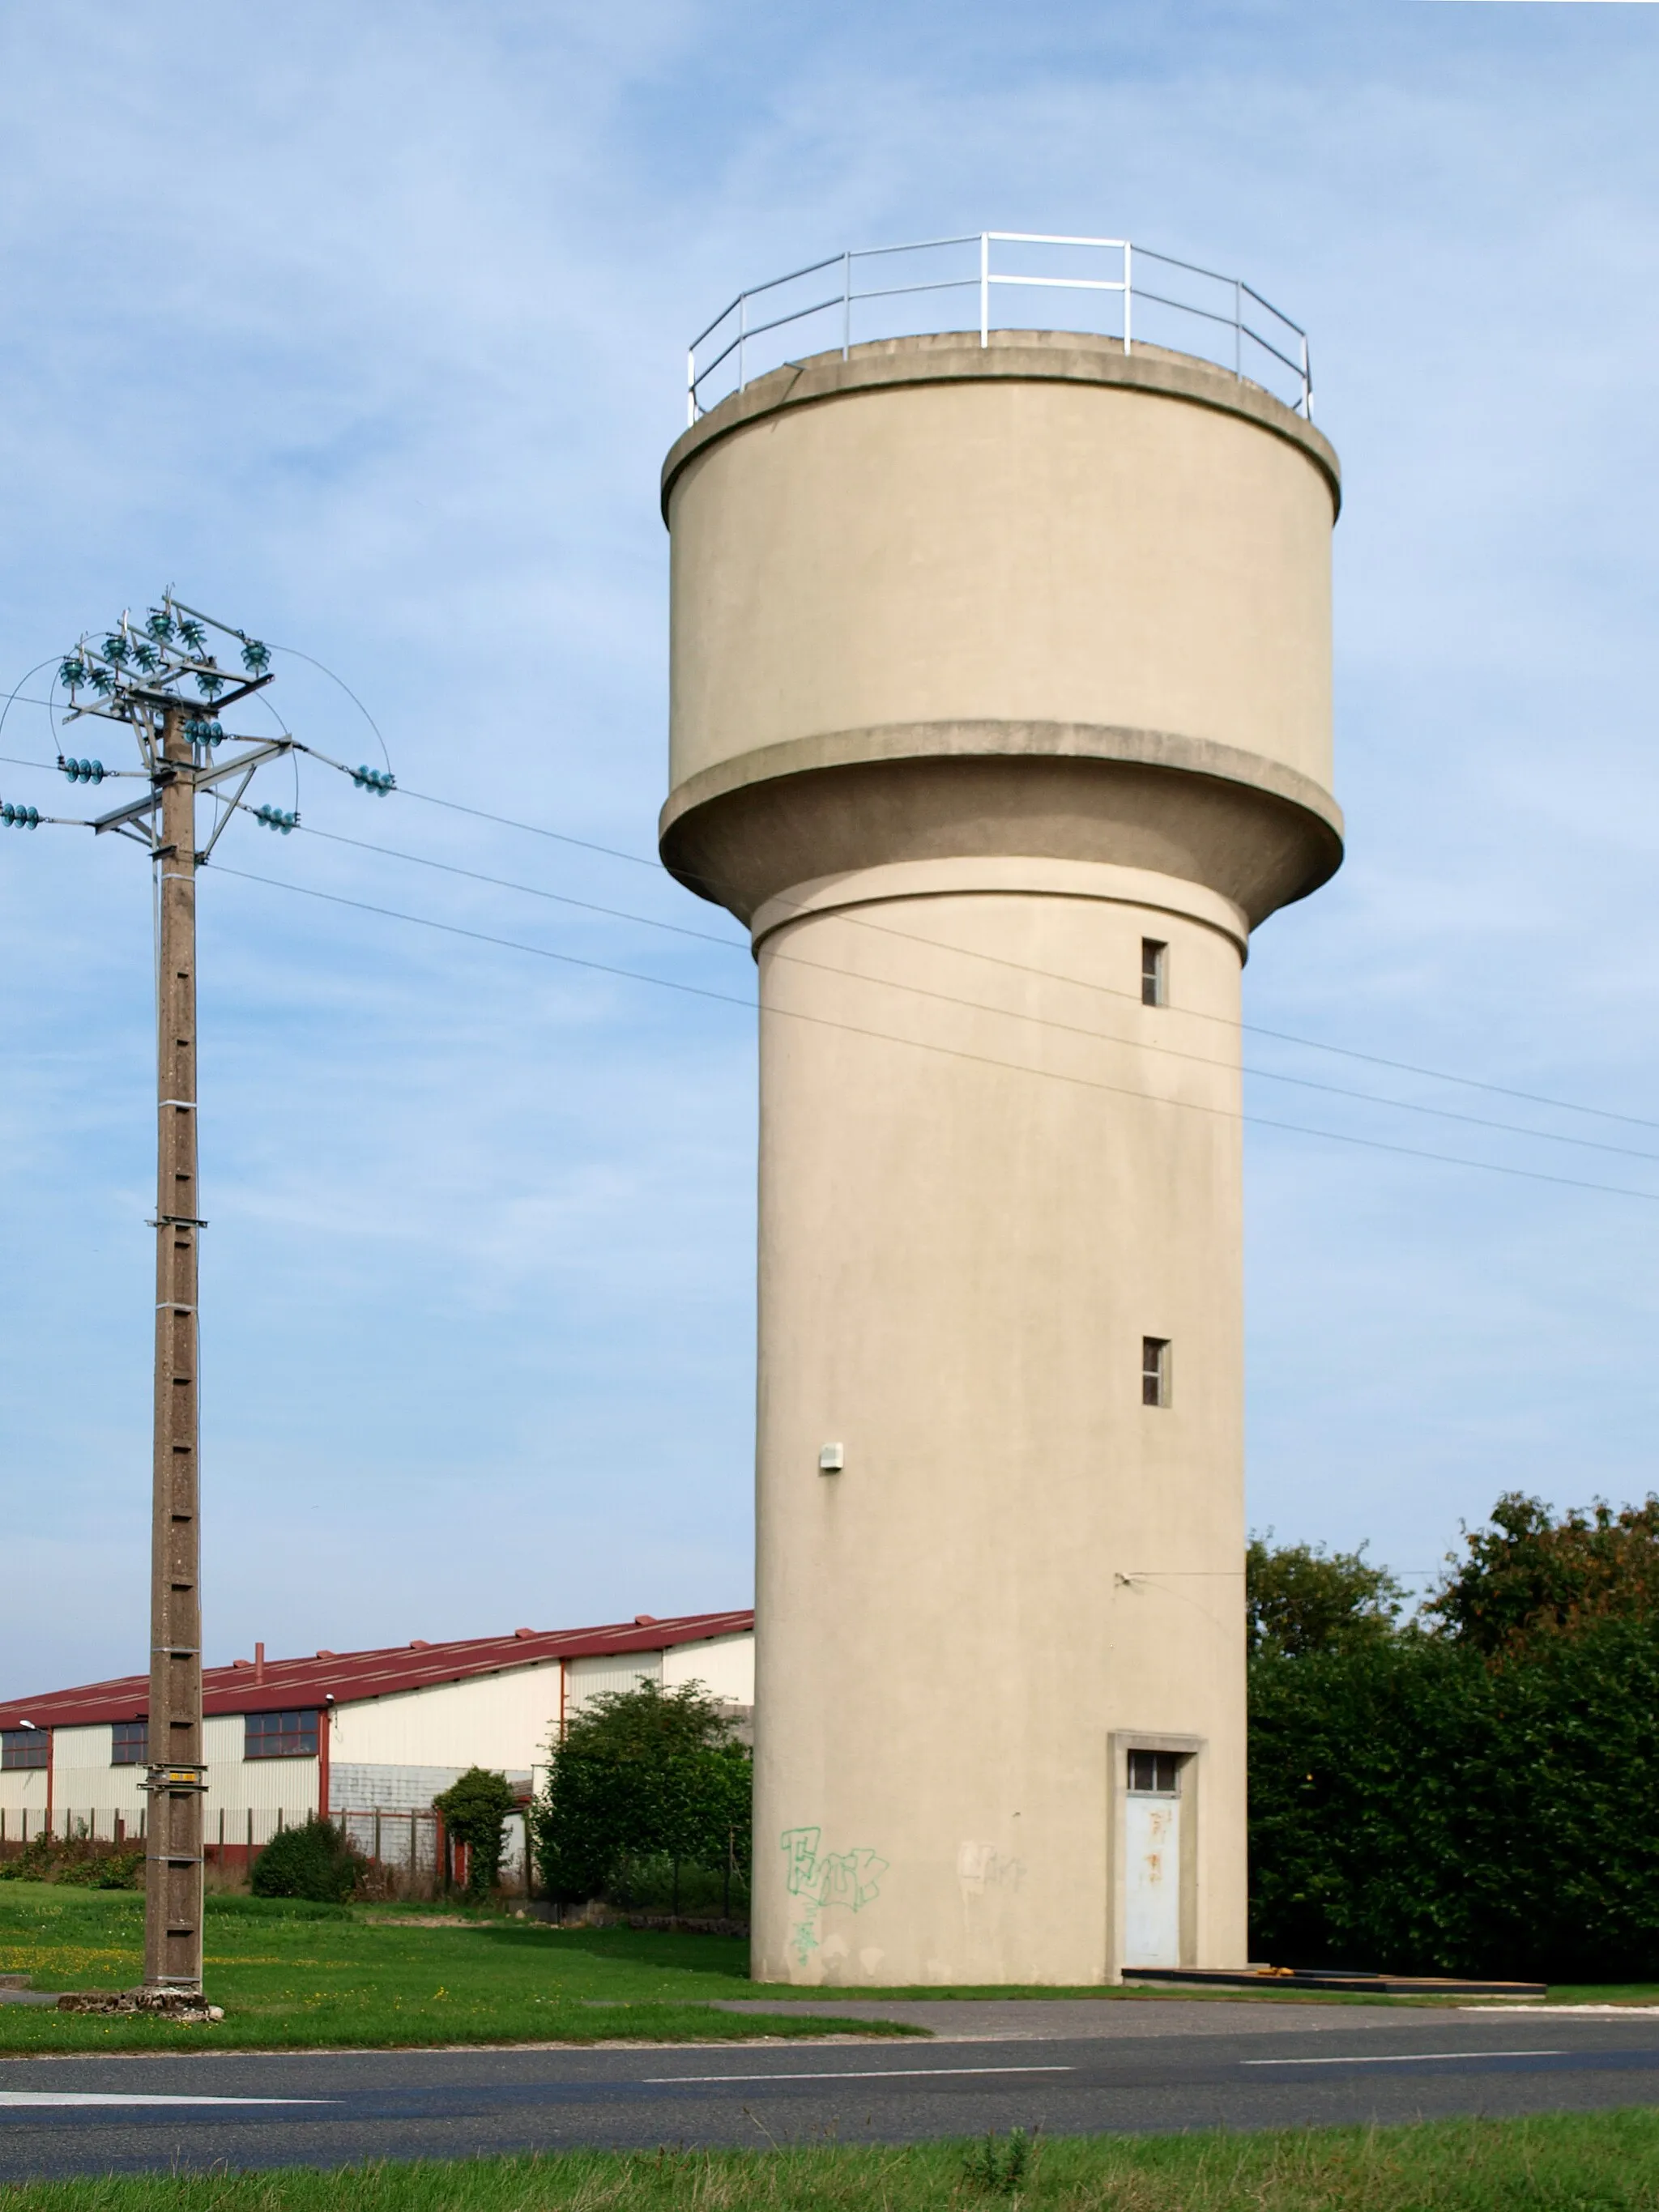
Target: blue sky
366	327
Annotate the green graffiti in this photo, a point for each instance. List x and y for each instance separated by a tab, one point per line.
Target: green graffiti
850	1878
805	1940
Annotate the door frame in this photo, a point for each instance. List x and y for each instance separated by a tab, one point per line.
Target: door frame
1189	1777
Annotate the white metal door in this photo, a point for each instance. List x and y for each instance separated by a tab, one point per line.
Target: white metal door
1152	1920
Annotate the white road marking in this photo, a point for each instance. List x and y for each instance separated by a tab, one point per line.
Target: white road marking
10	2097
1400	2058
1601	2011
851	2074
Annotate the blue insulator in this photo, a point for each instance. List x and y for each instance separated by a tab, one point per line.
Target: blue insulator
377	780
274	817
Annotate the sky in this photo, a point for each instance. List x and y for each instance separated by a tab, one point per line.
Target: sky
365	328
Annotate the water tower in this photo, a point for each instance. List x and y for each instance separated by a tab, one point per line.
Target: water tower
1001	716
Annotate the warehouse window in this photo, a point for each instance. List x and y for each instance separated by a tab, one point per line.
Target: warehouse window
1154	972
281	1735
1154	1371
128	1743
23	1747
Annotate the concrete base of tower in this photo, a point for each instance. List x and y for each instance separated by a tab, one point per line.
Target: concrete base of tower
1000	1702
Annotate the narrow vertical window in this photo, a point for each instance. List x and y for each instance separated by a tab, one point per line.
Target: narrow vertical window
1154	1371
1154	972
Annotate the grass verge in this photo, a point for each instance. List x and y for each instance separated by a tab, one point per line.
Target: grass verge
298	1977
1564	2163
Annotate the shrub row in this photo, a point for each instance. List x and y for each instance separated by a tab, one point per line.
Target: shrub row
1418	1807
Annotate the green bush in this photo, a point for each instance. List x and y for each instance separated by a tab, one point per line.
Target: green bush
77	1860
313	1861
1418	1806
640	1775
475	1809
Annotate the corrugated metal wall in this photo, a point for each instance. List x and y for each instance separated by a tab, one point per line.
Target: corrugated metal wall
624	1670
725	1666
492	1720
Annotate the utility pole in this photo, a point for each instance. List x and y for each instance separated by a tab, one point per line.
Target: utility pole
158	679
177	1777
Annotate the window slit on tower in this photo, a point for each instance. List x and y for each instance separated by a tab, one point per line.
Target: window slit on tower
1154	972
1154	1371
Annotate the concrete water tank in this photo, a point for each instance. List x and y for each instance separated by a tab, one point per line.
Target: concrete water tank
1001	716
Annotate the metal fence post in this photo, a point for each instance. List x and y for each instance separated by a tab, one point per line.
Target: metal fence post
985	288
1128	296
846	305
743	334
1307	383
1238	331
690	386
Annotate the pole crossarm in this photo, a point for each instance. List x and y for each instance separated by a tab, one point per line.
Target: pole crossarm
202	779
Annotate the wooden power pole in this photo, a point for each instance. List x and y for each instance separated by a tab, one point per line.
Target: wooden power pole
158	680
177	1776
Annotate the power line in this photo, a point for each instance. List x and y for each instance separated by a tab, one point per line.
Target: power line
1253	1029
1008	1013
950	1052
532	890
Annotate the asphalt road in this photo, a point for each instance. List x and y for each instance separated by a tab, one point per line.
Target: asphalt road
1142	2068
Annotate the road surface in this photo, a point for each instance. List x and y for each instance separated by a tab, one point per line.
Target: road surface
1076	2068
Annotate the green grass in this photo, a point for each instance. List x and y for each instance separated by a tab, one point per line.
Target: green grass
1569	2163
299	1976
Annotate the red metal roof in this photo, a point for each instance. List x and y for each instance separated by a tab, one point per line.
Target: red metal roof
351	1676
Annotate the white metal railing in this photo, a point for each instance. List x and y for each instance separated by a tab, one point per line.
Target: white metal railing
1221	318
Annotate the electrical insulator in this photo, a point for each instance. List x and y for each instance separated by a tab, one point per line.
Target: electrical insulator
204	733
274	818
256	658
19	817
73	671
82	771
377	780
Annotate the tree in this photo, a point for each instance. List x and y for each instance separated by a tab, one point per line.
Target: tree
637	1773
1528	1576
475	1810
1300	1599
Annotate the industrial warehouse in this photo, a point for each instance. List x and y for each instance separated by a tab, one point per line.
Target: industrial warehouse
369	1738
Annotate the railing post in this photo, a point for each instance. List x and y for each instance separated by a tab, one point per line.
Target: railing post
985	288
743	334
1307	383
1128	296
690	386
1239	330
845	315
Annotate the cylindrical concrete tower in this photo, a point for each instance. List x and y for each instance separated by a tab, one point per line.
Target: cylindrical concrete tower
1001	714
